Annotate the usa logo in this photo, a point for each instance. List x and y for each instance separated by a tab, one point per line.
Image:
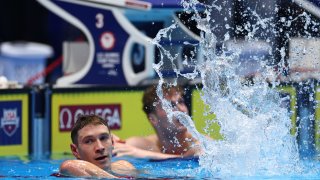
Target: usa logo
10	121
107	40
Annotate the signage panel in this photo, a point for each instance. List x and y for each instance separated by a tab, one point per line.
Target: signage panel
110	112
10	120
14	124
122	109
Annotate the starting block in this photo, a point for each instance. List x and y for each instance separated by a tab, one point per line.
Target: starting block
118	50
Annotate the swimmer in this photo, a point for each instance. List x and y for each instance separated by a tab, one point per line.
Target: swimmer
171	140
92	145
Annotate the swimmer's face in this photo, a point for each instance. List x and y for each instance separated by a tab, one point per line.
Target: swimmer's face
94	145
177	104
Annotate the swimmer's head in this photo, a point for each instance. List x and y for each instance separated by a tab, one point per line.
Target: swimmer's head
84	120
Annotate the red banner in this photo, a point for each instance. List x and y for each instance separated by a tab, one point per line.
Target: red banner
110	112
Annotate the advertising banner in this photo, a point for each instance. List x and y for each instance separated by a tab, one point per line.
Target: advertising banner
10	119
122	109
14	121
110	112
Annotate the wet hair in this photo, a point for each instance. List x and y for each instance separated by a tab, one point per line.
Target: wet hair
150	96
84	120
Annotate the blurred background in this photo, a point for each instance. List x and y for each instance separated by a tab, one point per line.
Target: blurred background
29	21
63	57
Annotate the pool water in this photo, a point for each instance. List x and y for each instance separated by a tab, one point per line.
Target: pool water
17	168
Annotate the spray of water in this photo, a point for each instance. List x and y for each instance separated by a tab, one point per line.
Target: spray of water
255	127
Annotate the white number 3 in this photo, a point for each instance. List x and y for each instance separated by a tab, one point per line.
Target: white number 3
99	22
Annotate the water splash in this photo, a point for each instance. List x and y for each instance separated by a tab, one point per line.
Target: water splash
255	127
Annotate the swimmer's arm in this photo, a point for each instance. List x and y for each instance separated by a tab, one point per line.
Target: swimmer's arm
195	149
122	167
121	149
158	155
80	168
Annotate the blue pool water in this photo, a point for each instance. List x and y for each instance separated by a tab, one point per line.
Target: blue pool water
17	168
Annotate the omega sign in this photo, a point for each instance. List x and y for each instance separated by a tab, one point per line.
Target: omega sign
109	112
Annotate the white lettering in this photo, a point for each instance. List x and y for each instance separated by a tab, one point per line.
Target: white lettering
68	117
65	110
98	112
99	22
114	119
106	113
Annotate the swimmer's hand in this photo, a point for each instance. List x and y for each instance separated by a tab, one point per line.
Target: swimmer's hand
122	149
116	139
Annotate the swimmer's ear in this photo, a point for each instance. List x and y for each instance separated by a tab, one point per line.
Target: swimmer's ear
74	151
153	119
